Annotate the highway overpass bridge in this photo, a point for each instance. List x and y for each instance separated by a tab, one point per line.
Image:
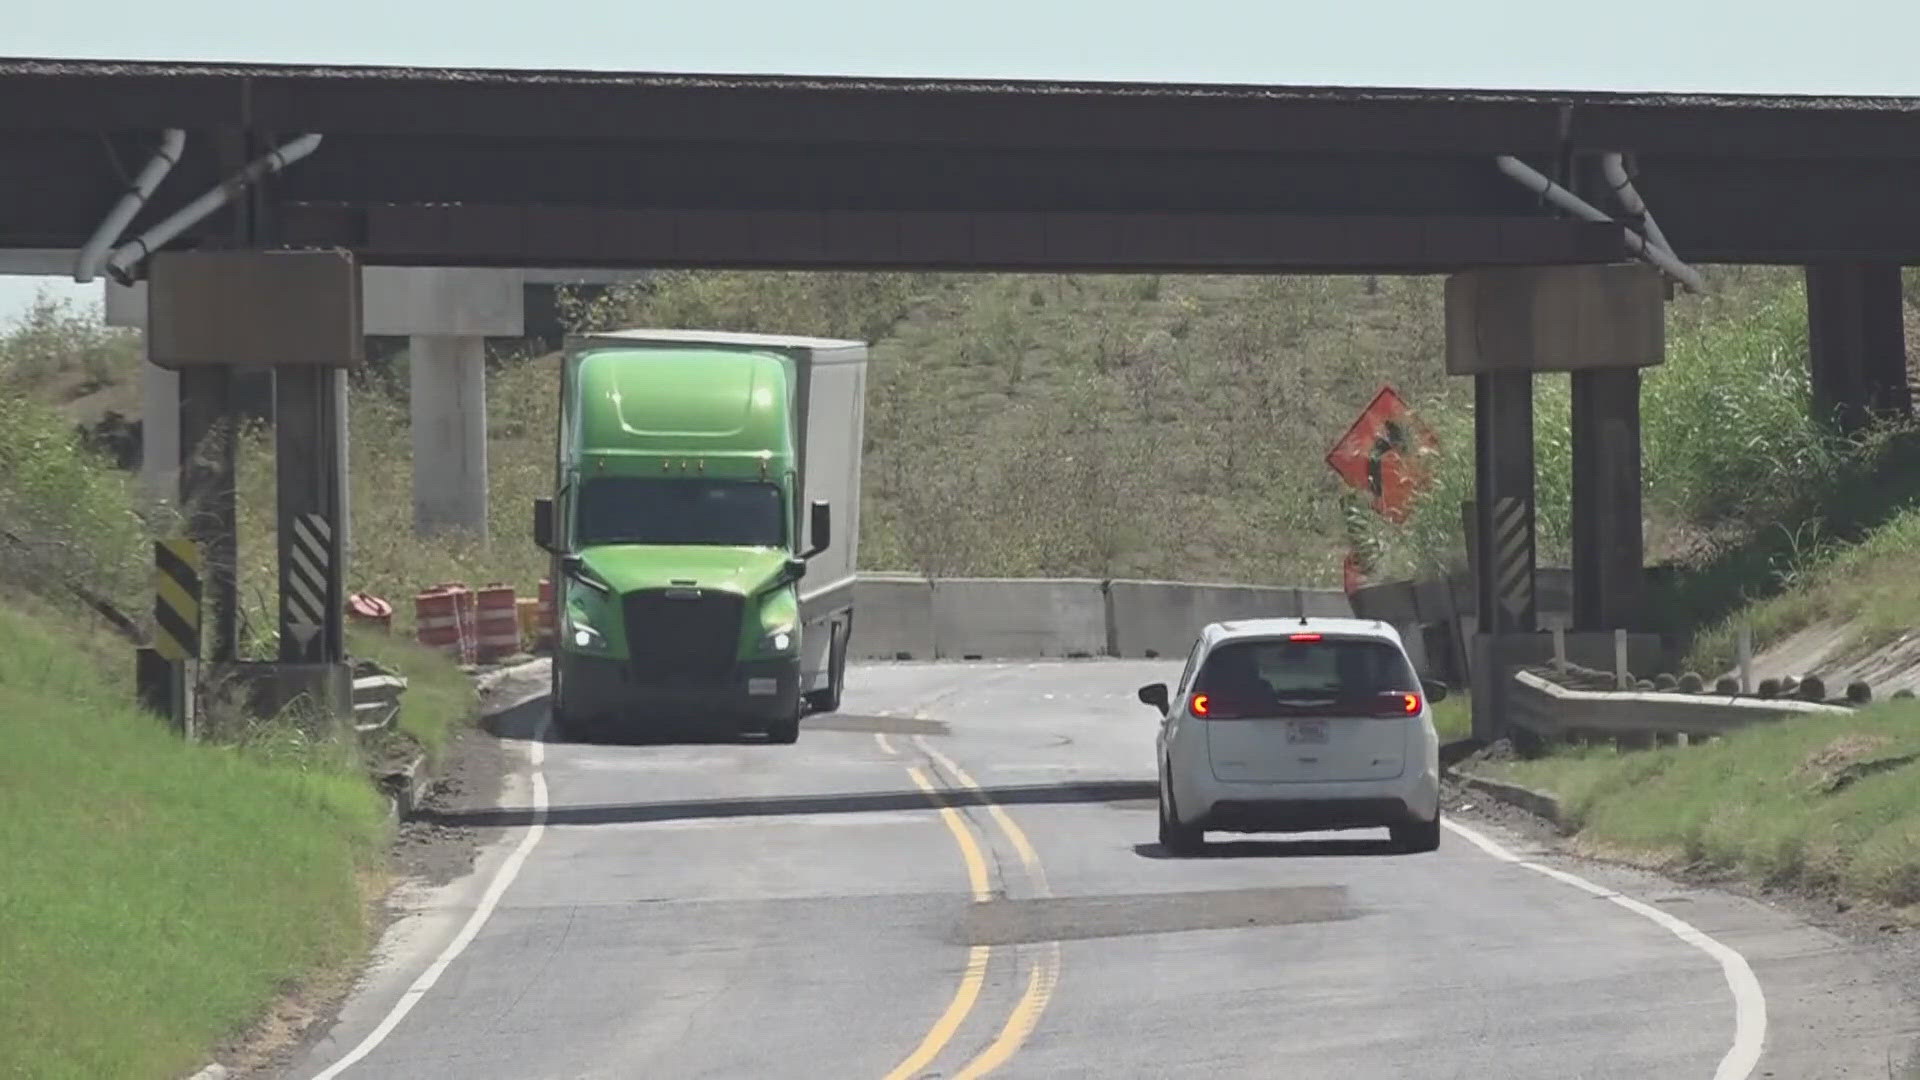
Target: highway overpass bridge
506	169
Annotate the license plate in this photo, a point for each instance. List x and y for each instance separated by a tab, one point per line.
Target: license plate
1306	731
763	687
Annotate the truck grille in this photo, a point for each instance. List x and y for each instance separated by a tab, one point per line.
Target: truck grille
682	638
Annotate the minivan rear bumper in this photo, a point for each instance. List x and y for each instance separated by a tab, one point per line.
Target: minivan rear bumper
1306	815
1267	807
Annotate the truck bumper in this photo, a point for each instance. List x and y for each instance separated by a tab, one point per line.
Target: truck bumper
601	691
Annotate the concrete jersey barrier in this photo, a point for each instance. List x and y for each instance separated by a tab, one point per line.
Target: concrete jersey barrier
1162	618
993	619
892	618
899	616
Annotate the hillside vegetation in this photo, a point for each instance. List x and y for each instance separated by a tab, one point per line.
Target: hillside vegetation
158	894
1163	426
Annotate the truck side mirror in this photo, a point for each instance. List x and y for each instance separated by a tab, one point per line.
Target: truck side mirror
543	523
819	527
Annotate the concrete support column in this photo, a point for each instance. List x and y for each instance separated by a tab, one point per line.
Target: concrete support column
207	496
311	466
1856	338
1503	535
1503	501
1608	544
1600	323
448	392
160	433
126	306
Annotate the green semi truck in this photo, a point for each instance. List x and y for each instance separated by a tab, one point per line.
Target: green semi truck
699	576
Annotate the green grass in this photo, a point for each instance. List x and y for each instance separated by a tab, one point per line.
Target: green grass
1762	801
1453	718
156	895
439	697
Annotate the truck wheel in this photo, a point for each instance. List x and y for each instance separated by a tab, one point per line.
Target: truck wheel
828	700
786	729
559	721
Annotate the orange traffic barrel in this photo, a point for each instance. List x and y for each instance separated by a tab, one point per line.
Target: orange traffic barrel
527	620
436	620
467	617
370	611
497	623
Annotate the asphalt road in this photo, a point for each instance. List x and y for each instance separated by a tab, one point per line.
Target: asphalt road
811	911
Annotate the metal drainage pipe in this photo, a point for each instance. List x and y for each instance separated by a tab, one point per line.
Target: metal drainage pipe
1567	200
123	260
1614	166
173	142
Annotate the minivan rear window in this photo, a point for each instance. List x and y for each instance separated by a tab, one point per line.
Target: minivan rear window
1326	677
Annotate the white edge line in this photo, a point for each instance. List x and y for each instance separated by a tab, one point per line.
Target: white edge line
536	756
1749	1003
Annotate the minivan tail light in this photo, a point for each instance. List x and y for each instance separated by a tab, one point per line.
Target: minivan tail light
1396	704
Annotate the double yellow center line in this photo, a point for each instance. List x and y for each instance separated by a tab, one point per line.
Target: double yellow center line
1043	974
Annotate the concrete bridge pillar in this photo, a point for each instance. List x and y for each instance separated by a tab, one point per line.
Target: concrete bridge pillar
1608	539
1601	324
1856	343
448	404
446	315
126	306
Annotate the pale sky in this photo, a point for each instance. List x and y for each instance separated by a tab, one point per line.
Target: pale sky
1724	46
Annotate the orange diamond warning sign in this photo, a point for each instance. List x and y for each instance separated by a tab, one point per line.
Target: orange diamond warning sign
1387	454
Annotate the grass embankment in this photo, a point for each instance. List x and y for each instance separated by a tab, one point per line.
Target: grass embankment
1818	804
440	698
155	894
1869	586
1815	803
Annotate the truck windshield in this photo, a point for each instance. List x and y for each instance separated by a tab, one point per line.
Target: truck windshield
648	510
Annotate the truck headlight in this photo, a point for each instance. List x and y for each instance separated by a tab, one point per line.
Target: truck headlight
582	635
779	641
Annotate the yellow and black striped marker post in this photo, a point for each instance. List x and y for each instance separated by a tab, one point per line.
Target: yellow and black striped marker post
176	599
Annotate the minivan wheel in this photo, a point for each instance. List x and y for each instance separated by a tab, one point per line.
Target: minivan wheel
1417	836
1175	838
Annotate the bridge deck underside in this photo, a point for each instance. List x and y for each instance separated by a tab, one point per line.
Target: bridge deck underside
490	168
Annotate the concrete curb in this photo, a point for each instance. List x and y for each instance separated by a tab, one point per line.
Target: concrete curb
1538	803
406	787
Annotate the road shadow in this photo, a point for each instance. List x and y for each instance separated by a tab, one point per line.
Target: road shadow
1275	849
860	803
524	721
520	722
